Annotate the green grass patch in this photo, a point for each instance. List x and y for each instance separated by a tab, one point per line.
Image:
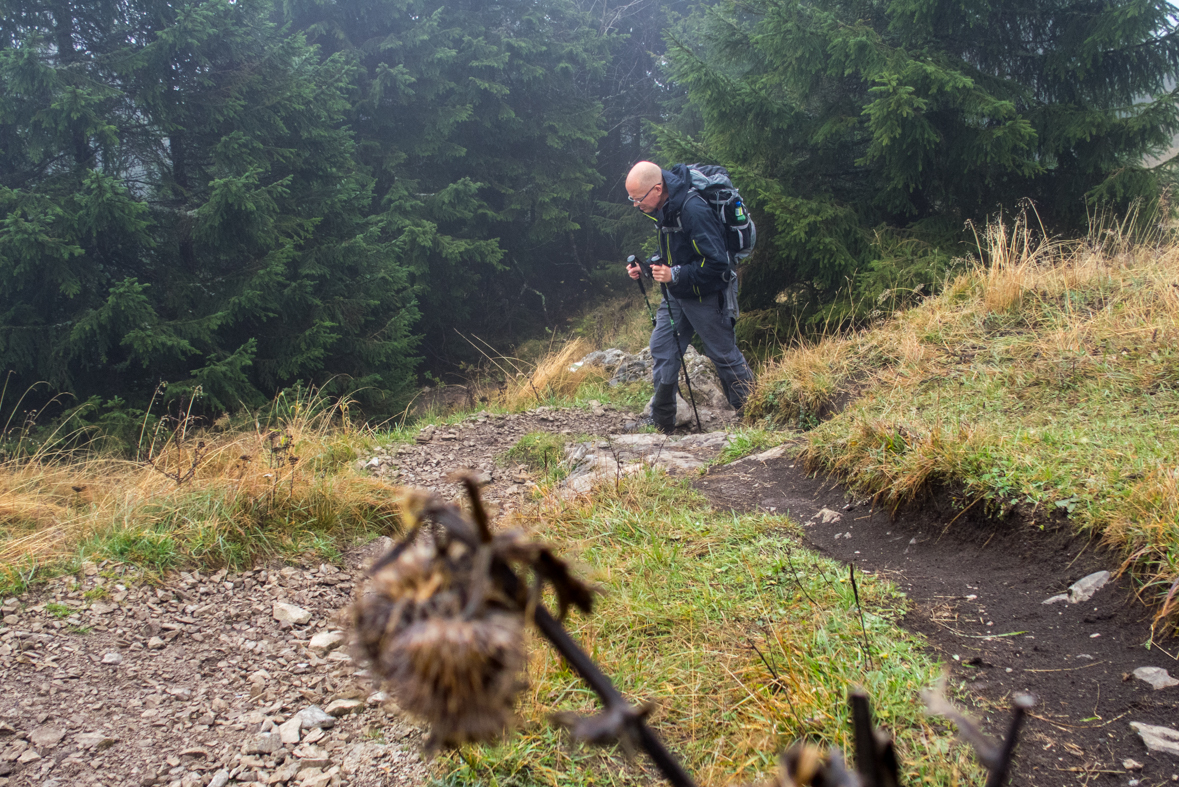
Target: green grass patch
542	452
744	442
690	596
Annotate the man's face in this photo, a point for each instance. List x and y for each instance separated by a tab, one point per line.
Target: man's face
646	200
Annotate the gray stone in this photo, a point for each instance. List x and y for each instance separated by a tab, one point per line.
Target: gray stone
344	707
1156	677
46	737
220	778
94	740
827	516
289	730
326	640
313	716
1084	589
284	612
265	743
1159	740
155	643
112	658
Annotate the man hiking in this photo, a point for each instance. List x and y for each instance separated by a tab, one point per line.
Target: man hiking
697	275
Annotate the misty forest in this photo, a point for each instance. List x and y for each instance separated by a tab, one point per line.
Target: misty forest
245	196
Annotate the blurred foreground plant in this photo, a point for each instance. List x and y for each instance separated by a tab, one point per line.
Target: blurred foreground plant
441	623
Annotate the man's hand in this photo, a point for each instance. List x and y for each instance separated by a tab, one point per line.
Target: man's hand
661	273
634	270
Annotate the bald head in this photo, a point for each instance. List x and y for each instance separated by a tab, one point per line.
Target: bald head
644	185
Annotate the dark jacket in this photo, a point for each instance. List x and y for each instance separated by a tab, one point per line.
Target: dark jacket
691	237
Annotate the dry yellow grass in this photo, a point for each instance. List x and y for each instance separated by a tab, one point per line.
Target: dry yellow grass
1048	379
259	491
551	377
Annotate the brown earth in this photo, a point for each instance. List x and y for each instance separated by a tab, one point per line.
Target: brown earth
203	673
977	587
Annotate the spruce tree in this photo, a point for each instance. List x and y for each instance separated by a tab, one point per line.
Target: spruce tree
477	124
182	205
854	121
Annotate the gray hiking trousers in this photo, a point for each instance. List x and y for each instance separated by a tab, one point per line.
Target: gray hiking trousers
712	320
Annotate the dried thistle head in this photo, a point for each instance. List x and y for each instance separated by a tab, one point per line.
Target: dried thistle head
441	619
462	676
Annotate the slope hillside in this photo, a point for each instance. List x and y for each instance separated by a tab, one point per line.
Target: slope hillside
1044	384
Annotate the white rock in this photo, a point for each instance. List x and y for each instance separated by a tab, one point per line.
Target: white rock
1131	765
313	716
827	516
1084	589
289	730
93	740
1058	598
326	640
284	612
265	743
1160	740
220	778
777	452
344	707
112	658
1156	676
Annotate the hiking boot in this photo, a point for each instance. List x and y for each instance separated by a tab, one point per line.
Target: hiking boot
642	423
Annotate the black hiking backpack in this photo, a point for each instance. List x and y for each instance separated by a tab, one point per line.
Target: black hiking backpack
713	184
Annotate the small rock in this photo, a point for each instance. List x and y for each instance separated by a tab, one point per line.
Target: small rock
1160	740
46	737
1058	598
289	613
1132	765
220	779
317	780
1156	676
326	640
112	658
289	730
827	516
155	643
28	756
265	743
344	707
94	740
312	717
1084	589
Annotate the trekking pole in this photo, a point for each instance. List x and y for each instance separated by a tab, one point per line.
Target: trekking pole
644	272
683	363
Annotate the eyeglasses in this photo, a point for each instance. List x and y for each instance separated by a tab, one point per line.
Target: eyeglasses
634	201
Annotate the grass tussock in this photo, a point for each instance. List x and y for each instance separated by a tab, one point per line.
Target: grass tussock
744	641
1047	379
274	489
552	377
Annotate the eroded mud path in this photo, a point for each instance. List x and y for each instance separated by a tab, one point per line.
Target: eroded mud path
978	588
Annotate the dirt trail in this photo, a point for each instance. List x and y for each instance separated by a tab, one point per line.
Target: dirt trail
199	682
977	588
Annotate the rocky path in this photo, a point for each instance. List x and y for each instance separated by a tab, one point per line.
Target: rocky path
230	679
